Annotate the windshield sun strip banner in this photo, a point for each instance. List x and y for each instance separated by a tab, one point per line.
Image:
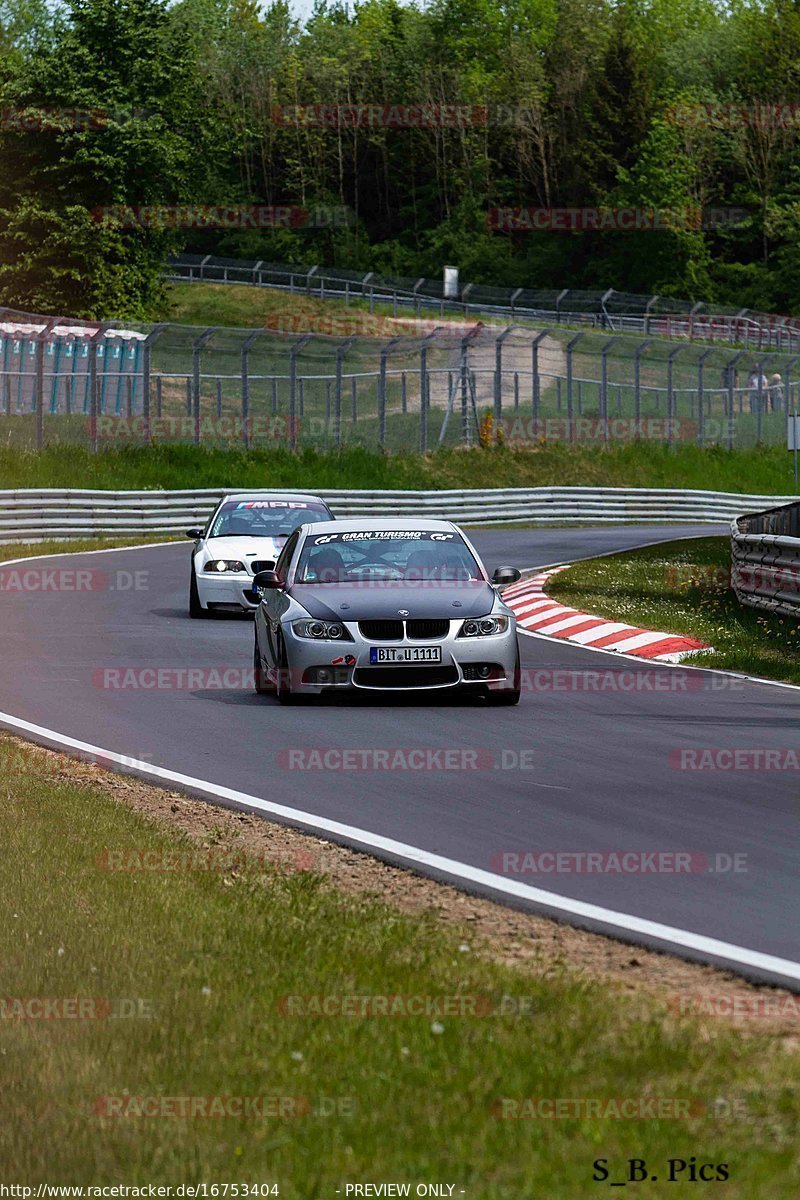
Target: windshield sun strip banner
386	535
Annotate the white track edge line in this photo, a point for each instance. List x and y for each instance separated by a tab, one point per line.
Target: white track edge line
626	922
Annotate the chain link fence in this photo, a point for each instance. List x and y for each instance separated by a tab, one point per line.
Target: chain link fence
430	383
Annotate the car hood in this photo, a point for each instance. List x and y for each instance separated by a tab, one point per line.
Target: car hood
246	548
380	602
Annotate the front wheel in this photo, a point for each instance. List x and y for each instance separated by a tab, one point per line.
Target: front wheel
262	685
284	676
510	695
196	610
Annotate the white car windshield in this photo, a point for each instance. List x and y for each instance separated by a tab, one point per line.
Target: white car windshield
413	555
264	518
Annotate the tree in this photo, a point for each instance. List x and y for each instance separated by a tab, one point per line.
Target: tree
119	125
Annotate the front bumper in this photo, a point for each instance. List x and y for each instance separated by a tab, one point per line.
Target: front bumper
481	663
232	591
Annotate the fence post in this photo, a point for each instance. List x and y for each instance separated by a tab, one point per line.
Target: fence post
464	373
637	385
245	377
41	341
146	369
424	391
94	342
731	398
498	376
653	300
701	420
570	348
196	350
385	352
604	349
537	395
673	354
341	350
293	390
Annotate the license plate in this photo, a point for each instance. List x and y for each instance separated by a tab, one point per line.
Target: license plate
405	654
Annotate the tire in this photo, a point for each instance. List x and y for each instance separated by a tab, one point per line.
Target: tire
262	685
283	685
508	696
196	610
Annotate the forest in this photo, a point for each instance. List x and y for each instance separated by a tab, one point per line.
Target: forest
387	137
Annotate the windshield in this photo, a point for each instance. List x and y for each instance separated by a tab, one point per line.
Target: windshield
265	518
413	555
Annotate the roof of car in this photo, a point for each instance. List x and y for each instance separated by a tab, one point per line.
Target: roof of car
351	524
277	495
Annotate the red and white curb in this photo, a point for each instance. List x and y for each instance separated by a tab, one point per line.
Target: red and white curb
538	613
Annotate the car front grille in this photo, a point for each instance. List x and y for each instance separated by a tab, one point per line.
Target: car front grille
405	677
262	564
427	629
394	631
381	631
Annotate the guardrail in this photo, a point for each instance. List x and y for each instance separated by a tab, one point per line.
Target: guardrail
37	515
765	559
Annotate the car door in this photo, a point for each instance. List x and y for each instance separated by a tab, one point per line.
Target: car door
274	603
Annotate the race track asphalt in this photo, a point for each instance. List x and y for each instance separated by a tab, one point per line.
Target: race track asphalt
589	761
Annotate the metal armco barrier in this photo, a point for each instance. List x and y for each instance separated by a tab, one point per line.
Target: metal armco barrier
621	312
33	515
765	559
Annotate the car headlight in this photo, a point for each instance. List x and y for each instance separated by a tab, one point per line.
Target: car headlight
218	566
322	631
483	626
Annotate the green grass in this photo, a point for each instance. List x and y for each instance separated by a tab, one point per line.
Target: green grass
414	1099
36	549
764	470
683	587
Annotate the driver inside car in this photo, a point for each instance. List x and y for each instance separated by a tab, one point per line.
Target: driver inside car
325	566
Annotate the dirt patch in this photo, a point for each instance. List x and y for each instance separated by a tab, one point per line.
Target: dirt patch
537	945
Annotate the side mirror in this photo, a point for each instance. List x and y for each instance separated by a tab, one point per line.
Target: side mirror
267	580
504	576
195	534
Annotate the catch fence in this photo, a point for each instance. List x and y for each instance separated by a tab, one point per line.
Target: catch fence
400	384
